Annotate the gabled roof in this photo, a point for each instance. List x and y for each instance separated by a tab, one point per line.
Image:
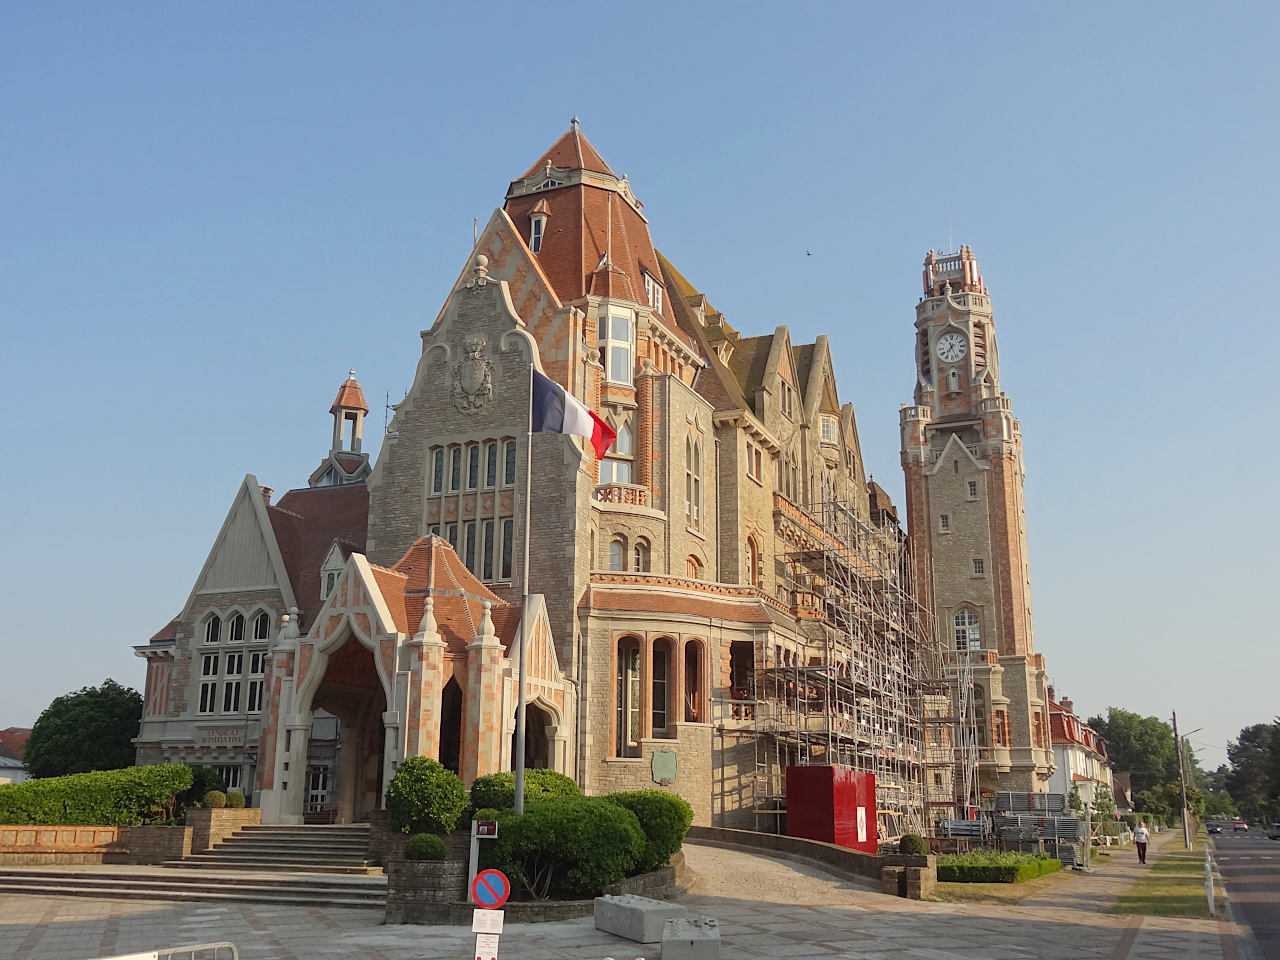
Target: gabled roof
306	523
350	396
720	387
14	740
880	502
748	362
168	632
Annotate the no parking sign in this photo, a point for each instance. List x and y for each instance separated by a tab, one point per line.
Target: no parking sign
490	889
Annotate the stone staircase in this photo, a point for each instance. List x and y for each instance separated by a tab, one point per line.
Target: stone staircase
314	848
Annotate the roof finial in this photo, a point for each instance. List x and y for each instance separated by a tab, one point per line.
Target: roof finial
351	374
573	121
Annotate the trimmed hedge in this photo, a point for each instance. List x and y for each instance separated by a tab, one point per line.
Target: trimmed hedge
235	799
498	790
109	798
424	846
424	797
664	818
913	845
214	799
989	867
566	847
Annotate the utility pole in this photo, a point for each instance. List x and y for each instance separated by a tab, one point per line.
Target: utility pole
1182	783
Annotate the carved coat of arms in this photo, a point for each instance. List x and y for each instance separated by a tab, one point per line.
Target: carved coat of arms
473	376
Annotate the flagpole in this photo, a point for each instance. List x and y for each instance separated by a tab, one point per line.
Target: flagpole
519	759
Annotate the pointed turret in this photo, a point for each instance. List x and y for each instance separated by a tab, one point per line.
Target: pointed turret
345	463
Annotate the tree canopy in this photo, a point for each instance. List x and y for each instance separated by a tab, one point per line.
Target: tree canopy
91	729
1254	779
1141	746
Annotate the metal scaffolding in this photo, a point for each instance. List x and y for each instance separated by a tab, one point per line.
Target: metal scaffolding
863	684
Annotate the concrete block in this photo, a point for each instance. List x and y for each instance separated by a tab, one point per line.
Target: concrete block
635	918
695	938
892	881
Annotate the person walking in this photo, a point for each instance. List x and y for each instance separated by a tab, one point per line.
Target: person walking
1140	838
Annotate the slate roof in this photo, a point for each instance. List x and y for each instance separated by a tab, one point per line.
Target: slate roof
306	524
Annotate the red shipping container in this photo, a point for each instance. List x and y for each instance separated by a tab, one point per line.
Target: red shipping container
833	804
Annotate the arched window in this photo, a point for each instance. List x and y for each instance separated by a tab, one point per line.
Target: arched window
693	710
753	563
617	554
641	556
619	466
627	743
262	625
235	629
663	665
968	632
980	714
692	482
213	629
692	567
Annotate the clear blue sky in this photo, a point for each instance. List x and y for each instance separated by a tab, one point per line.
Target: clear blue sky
208	212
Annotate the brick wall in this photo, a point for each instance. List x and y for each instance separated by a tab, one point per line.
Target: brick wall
211	826
55	844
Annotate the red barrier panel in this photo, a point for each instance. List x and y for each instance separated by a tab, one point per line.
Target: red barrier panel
834	805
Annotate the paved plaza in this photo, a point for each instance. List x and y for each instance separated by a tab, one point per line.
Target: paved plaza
766	908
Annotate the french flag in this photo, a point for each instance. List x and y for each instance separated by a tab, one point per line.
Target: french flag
553	410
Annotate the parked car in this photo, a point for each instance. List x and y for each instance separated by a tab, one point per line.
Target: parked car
1239	825
1214	828
1273	832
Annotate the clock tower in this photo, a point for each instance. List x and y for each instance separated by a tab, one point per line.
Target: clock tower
962	456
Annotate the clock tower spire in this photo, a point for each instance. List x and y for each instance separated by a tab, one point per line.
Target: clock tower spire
962	456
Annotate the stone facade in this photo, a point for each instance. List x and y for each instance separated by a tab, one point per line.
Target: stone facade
962	456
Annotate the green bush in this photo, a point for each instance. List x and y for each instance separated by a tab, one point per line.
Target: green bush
215	799
566	847
424	846
498	790
985	866
235	799
424	797
126	797
664	818
913	845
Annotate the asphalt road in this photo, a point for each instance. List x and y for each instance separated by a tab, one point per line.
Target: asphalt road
1250	864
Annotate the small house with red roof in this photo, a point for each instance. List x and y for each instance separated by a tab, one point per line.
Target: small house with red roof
1079	753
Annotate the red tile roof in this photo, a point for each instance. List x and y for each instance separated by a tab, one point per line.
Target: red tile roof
168	632
572	151
306	524
350	396
14	740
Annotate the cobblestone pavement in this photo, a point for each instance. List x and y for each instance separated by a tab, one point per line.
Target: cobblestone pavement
766	908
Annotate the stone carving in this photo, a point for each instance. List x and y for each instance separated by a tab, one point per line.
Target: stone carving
473	376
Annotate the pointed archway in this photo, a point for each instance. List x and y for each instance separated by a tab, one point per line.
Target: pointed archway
537	739
451	725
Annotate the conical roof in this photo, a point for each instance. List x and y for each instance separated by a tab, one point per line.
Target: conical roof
350	396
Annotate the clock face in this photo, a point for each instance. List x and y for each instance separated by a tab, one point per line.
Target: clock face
951	347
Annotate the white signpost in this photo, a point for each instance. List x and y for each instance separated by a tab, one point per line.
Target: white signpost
487	946
480	830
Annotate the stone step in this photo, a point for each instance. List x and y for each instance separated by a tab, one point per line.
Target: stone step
155	876
210	861
309	829
308	891
271	847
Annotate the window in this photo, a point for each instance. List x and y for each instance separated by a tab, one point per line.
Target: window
788	400
627	743
230	777
754	461
653	292
549	183
455	468
486	571
235	629
617	554
329	580
209	665
231	696
978	567
262	626
473	466
968	633
253	696
509	452
980	714
937	779
618	469
944	523
536	224
641	557
437	471
753	562
491	465
973	489
693	567
661	656
235	664
692	481
213	629
469	557
451	534
258	662
692	681
208	696
1000	733
616	347
830	430
508	528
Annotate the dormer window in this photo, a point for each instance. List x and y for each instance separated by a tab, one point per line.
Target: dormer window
537	223
617	344
548	183
830	430
653	292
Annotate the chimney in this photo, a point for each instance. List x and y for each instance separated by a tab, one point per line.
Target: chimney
266	495
1067	705
1051	696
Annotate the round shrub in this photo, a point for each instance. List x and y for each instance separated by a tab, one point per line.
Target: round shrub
664	818
913	845
424	797
498	790
424	846
566	846
235	799
216	799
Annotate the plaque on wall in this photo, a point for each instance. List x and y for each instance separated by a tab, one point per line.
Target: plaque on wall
664	767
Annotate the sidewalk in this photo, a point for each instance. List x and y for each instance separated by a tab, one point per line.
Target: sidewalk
766	908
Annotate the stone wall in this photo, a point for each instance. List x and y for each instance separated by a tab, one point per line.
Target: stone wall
65	845
211	826
831	856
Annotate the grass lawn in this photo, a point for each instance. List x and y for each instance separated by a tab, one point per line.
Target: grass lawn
1011	893
1173	885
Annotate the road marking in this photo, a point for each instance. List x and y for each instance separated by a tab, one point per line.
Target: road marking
1126	939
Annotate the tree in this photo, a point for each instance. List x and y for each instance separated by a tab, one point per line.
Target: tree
91	729
1104	805
1142	746
1254	780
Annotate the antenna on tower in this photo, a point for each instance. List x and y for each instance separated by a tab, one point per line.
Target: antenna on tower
386	415
949	247
475	230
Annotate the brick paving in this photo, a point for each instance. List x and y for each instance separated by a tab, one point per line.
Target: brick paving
766	908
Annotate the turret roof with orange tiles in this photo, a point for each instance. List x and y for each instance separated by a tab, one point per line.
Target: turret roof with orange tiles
350	396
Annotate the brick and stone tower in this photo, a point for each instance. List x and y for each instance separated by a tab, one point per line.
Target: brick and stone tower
962	456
